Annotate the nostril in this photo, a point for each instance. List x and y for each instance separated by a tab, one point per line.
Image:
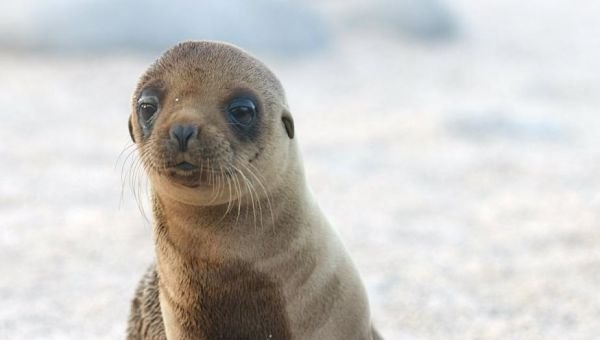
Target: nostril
183	133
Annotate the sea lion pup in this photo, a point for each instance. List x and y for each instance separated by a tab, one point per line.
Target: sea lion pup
242	250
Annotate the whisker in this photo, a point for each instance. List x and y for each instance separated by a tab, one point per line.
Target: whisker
257	197
239	198
251	192
268	196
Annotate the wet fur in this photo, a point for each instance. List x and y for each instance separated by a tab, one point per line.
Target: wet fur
244	257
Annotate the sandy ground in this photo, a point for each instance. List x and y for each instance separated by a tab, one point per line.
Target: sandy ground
462	177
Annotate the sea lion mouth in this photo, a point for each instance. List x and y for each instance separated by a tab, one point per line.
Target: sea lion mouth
186	166
192	176
184	173
189	178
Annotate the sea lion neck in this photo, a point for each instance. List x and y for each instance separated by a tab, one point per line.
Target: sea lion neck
244	229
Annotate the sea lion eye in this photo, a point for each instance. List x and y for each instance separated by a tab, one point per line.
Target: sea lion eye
147	108
242	111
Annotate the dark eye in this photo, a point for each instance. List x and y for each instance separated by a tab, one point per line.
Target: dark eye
147	107
242	111
147	110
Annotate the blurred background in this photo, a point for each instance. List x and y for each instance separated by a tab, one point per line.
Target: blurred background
453	143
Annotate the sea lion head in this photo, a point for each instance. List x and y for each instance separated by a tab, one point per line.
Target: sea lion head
211	124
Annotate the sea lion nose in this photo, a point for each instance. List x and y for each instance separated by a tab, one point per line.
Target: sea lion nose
182	133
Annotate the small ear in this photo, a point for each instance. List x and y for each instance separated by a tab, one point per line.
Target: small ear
131	130
288	123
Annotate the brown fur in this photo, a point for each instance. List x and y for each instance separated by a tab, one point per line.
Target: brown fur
242	251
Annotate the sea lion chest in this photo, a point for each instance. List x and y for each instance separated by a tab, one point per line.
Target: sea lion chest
228	300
